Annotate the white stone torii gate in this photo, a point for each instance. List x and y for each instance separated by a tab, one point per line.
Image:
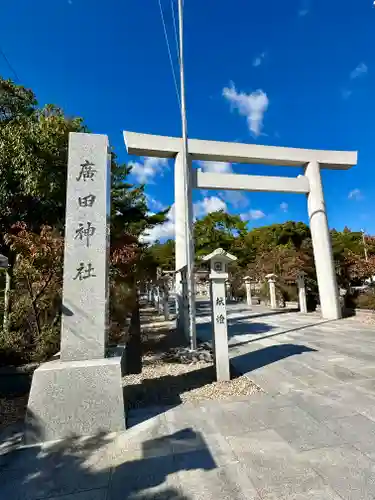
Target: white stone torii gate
309	184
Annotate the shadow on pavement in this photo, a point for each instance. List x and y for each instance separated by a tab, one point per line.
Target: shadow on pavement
284	332
236	326
271	312
104	467
251	361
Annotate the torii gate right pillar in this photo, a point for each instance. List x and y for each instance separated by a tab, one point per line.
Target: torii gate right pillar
321	239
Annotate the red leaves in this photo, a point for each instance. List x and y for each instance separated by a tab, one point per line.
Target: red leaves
125	253
358	267
285	262
44	249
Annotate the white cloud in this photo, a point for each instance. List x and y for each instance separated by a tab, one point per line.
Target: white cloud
355	194
154	204
346	93
167	230
304	8
162	231
208	205
360	70
284	206
259	59
146	171
303	12
235	198
218	167
253	215
252	105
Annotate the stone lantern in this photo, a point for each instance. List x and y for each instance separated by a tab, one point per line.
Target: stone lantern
219	260
271	278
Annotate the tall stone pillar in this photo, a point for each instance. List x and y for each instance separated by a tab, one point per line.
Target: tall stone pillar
271	278
185	302
249	299
325	270
81	393
183	221
180	206
302	293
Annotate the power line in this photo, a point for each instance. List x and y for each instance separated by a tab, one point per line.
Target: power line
175	33
169	53
9	65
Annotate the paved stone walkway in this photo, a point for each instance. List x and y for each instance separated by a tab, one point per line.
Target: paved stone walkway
311	435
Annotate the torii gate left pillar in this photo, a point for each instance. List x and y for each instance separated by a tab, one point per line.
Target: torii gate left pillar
183	225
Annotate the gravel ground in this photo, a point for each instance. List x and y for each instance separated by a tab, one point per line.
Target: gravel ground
12	409
14	392
161	383
169	383
366	319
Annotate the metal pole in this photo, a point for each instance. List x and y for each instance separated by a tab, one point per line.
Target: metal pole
187	177
364	244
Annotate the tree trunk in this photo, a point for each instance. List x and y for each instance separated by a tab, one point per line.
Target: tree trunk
8	288
134	344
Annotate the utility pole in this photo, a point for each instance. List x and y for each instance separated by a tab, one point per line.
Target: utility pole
188	186
364	244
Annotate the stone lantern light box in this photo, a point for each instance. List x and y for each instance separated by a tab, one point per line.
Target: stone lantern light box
219	260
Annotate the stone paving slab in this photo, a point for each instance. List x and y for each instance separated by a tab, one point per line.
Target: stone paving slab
346	469
310	435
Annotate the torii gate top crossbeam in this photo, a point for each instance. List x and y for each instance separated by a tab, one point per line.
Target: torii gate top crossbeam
168	147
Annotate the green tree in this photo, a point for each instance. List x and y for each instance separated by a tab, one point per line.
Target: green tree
33	172
218	230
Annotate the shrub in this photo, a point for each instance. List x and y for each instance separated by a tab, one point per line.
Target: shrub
121	304
365	300
264	292
287	292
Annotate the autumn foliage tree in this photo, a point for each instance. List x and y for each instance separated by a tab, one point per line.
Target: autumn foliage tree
34	331
33	172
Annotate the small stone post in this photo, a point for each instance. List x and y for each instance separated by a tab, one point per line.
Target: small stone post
249	299
165	298
227	290
149	292
157	298
219	260
271	278
302	293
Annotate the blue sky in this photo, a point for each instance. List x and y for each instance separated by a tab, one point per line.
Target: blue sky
295	73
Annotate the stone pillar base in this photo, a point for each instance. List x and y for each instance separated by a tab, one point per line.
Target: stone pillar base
75	398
